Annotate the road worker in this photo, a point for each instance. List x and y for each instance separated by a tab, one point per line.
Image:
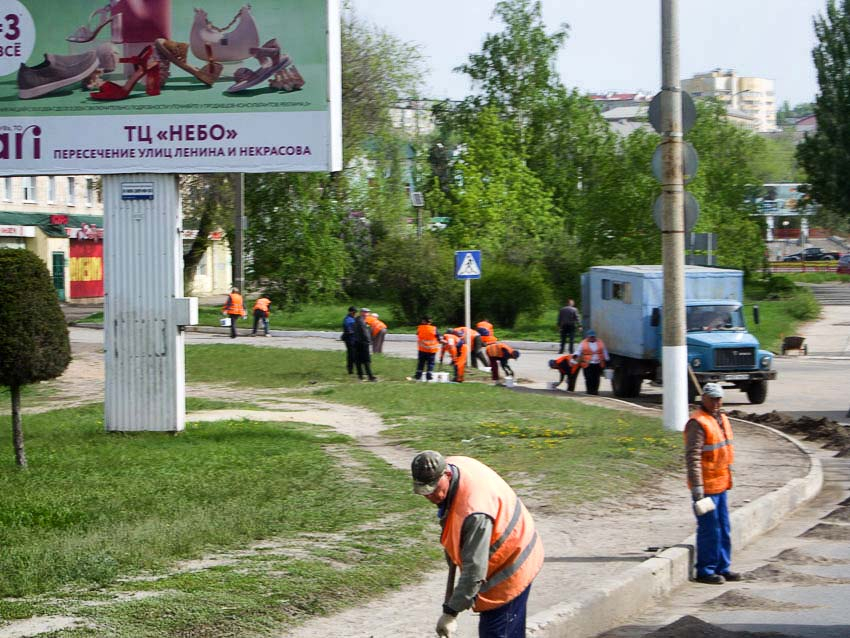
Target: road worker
455	346
379	331
567	365
428	344
592	355
234	308
261	313
500	352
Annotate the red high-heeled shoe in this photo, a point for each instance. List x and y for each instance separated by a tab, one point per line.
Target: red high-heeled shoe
144	68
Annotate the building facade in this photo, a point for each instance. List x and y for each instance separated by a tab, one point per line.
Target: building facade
60	218
751	96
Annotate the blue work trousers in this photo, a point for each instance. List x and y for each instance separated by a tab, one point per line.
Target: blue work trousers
714	543
507	621
425	361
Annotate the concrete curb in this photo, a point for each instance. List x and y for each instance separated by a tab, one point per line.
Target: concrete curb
613	602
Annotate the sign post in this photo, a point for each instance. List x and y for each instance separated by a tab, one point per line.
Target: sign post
467	267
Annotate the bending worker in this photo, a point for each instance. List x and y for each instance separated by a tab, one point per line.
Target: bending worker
261	313
379	331
500	352
455	346
592	355
473	340
709	454
485	329
489	534
567	365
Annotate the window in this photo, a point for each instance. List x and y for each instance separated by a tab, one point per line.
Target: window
89	191
51	190
621	290
29	189
72	192
606	288
7	194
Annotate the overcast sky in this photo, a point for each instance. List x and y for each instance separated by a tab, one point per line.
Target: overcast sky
615	44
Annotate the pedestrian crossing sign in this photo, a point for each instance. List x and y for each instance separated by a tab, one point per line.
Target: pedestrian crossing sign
468	264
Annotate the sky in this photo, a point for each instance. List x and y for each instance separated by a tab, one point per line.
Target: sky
614	45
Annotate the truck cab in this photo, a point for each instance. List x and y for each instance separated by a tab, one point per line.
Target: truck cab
623	304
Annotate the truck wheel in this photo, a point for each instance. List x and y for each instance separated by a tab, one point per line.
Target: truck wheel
625	385
757	392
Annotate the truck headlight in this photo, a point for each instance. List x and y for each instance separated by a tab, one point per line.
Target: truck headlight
765	362
696	362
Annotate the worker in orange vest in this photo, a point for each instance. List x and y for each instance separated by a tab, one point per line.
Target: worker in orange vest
567	365
592	355
235	309
500	352
455	346
428	344
485	329
379	331
261	313
489	534
473	340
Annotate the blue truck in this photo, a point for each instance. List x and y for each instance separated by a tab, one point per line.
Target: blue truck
623	304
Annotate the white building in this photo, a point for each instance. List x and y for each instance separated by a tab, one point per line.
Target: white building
753	97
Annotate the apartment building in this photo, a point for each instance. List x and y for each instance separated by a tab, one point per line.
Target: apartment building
752	97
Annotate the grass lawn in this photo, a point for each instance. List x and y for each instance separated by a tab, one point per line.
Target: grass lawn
779	317
340	526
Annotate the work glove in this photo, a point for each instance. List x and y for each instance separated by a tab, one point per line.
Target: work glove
697	493
447	626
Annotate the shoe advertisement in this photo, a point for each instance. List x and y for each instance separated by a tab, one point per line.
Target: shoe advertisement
169	86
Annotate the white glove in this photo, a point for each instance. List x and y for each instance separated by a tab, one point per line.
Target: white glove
446	626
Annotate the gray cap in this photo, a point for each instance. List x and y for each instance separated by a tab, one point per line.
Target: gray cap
427	468
713	390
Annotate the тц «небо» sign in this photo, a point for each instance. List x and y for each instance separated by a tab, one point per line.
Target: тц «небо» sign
468	264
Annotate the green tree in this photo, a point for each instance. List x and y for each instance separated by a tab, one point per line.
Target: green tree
34	342
825	154
208	206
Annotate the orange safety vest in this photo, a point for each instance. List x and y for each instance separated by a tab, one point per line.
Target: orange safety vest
487	339
468	334
499	350
377	325
234	305
427	340
369	319
718	452
516	551
263	304
587	353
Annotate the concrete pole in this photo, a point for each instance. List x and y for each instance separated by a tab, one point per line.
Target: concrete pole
467	317
675	350
239	232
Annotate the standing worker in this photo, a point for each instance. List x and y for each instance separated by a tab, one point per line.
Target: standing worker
567	365
233	308
348	338
500	352
455	346
473	340
428	344
709	454
362	340
379	331
261	313
486	532
568	321
592	355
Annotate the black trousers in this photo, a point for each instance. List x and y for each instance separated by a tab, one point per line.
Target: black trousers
567	332
349	355
571	379
591	377
362	359
233	320
425	361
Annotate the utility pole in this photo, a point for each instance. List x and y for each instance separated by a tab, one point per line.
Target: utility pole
675	350
239	231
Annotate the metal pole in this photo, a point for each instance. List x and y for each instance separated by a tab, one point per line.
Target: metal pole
239	232
675	350
467	316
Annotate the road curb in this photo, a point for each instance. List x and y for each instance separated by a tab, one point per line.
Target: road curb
614	601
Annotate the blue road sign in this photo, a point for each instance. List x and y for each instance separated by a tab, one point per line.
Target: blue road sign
467	264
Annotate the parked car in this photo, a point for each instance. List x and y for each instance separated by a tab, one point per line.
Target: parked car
812	254
844	265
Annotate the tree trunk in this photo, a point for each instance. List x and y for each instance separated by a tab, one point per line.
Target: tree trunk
17	430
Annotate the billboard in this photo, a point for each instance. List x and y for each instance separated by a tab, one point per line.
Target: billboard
169	86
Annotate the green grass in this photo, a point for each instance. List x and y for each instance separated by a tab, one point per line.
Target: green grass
817	277
781	312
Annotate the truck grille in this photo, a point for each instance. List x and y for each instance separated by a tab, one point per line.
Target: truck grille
732	358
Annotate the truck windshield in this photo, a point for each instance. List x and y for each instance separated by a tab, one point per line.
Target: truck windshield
725	317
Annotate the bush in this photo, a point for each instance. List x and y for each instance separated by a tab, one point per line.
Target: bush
505	290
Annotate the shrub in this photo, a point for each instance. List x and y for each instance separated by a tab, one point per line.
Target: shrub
506	290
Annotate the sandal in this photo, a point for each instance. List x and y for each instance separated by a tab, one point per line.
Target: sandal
144	67
85	33
271	61
287	80
176	52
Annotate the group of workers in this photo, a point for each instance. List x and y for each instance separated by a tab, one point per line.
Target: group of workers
234	309
590	356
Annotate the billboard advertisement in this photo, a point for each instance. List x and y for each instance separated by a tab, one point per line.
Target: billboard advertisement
169	86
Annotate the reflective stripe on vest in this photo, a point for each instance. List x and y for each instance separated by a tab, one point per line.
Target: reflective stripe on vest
587	353
516	552
718	452
427	340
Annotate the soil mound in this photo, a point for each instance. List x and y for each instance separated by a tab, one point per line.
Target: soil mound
692	627
830	434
